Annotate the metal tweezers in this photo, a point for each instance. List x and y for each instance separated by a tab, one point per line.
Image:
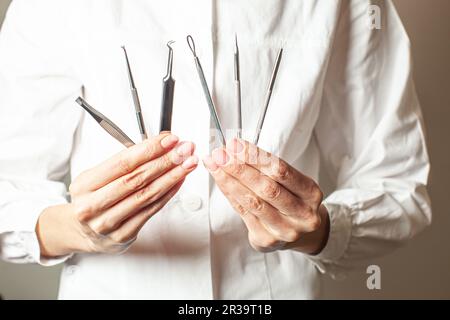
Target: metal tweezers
106	124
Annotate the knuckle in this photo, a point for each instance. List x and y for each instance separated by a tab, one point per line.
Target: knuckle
256	243
291	235
141	194
286	234
83	212
264	158
124	164
262	243
145	194
133	180
252	156
281	170
254	203
306	212
223	180
164	162
240	209
237	169
271	189
293	202
317	194
118	239
313	223
150	148
106	225
268	242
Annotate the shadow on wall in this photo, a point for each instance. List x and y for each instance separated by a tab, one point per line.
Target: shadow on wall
421	270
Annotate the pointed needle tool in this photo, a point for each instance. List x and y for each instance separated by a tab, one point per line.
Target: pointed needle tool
165	123
106	124
268	96
212	108
134	94
237	86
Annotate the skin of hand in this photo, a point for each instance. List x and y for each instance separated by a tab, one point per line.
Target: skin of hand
280	206
111	202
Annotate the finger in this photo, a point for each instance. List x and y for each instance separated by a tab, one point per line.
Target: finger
123	163
266	188
276	223
259	237
113	217
277	169
130	228
118	189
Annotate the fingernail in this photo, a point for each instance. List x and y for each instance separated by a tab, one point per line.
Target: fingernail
190	162
235	146
220	157
185	149
210	164
169	141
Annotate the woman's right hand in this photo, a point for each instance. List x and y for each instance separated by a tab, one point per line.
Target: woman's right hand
112	201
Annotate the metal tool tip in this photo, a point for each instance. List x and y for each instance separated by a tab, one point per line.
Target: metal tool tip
79	101
191	44
170	43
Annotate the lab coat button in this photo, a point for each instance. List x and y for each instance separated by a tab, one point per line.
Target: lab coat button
191	202
71	270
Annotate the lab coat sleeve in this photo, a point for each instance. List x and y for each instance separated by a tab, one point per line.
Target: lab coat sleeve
37	124
371	136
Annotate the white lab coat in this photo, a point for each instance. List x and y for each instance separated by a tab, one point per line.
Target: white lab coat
343	91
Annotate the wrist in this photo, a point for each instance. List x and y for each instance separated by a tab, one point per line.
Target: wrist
55	232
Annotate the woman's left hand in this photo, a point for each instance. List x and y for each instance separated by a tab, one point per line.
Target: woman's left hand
280	206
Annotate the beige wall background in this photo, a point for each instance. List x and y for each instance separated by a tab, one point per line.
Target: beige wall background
420	270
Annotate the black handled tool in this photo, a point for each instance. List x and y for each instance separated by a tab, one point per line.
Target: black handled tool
165	123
